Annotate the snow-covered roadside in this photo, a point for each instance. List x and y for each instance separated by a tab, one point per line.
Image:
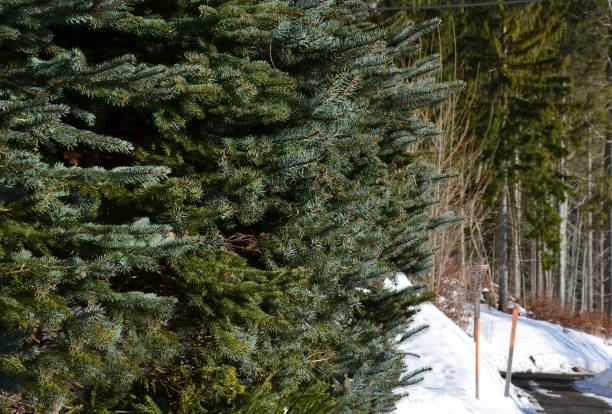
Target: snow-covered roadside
541	346
449	387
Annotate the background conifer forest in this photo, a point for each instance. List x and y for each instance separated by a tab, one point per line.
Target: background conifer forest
530	138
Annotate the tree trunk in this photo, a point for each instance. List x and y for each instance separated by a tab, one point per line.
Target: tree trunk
533	268
563	210
462	251
602	274
571	297
516	241
540	268
550	284
573	252
589	235
502	247
608	166
584	288
577	243
608	257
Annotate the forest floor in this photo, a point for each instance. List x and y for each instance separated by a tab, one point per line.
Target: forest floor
541	347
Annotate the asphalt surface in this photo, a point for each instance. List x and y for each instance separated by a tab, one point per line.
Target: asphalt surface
556	394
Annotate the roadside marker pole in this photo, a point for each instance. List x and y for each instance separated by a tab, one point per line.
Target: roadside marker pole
476	331
475	272
511	351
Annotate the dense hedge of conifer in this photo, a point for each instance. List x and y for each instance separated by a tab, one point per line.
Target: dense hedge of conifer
200	200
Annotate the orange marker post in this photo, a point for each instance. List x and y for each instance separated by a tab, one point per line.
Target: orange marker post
511	352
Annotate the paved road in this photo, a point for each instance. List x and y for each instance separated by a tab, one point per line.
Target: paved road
556	394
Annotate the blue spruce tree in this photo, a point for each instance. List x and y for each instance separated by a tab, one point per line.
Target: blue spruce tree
255	284
64	328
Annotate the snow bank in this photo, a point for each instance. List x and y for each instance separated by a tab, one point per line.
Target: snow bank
540	346
449	387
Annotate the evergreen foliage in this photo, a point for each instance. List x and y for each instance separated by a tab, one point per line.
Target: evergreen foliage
64	327
537	85
519	111
588	118
289	131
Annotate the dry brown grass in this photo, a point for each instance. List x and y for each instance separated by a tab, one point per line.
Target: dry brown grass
453	296
455	300
550	309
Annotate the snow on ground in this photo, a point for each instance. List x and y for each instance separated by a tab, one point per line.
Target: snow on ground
450	386
541	346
